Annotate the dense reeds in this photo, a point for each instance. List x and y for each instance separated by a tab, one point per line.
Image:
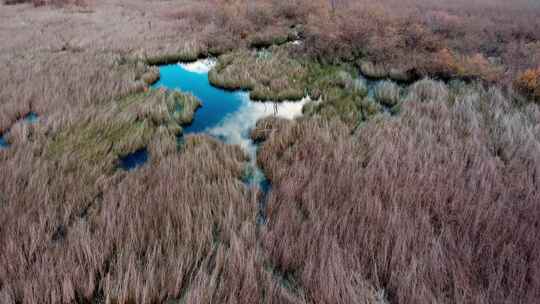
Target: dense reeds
143	238
438	204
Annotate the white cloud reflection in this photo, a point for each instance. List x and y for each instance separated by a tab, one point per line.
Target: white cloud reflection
235	128
200	66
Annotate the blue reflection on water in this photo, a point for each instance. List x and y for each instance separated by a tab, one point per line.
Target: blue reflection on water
227	115
217	103
3	142
31	118
134	160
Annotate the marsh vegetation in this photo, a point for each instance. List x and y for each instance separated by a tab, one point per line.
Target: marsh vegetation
410	177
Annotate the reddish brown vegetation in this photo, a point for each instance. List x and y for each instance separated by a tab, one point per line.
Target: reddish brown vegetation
145	237
490	40
439	205
528	83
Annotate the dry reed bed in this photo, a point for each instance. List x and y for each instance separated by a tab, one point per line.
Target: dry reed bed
152	235
74	229
439	204
63	84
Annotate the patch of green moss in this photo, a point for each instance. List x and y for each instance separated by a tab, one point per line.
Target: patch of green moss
124	126
274	75
340	94
321	78
100	142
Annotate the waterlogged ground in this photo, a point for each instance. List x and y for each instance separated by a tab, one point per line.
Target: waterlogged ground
3	143
134	160
227	115
30	118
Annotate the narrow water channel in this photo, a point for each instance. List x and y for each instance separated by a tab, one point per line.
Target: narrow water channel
228	116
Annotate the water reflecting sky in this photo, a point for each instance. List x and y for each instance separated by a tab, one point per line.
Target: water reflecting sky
227	115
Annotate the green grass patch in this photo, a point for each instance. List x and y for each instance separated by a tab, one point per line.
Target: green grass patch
341	94
124	126
273	75
269	75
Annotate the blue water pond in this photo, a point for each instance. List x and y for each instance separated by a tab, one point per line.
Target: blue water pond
134	160
3	143
216	103
226	115
31	118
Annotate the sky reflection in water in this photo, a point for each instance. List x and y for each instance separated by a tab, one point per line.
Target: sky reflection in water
229	116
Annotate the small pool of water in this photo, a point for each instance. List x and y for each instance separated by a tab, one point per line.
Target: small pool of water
134	160
193	78
229	116
31	118
3	143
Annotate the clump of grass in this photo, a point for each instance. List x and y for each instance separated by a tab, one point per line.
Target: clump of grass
273	36
265	126
101	141
340	92
387	93
370	108
382	71
275	77
151	77
322	78
371	70
427	90
189	54
401	75
360	86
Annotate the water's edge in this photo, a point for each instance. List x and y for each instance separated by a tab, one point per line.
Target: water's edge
227	115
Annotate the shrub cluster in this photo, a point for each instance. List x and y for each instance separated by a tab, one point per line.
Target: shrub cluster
488	40
528	83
